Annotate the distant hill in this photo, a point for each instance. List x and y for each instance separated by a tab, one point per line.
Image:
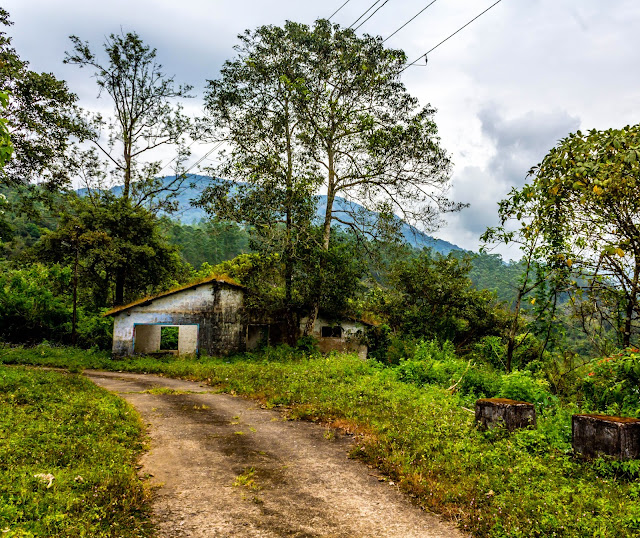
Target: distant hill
187	214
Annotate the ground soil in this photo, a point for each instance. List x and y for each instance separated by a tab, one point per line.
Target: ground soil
225	467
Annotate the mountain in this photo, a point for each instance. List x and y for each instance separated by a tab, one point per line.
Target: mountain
188	214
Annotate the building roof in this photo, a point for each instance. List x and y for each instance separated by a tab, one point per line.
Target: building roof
222	279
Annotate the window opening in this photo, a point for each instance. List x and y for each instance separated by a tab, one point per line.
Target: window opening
169	338
331	332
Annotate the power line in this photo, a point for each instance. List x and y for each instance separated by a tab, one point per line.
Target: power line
172	160
411	19
376	11
447	39
203	157
336	11
367	11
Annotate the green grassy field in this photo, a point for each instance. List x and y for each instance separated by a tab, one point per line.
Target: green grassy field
68	453
492	483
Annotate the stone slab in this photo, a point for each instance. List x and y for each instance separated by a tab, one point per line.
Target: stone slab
595	435
513	414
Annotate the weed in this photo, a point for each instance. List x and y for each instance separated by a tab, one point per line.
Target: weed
418	434
165	390
247	479
329	434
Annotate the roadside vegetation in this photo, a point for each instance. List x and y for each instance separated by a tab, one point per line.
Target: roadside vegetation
68	454
408	422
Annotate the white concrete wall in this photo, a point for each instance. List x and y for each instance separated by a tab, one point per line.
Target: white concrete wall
216	308
187	339
349	341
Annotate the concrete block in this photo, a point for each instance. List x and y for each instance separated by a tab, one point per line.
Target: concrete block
595	435
512	413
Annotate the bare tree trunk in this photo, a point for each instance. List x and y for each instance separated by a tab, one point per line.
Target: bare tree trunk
120	277
513	332
326	236
631	307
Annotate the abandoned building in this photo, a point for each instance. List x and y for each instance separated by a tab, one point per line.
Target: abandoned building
209	317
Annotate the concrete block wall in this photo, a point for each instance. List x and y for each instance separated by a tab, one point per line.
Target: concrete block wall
214	311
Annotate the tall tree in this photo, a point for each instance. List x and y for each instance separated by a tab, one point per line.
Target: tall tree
584	201
353	129
146	117
252	108
117	250
42	117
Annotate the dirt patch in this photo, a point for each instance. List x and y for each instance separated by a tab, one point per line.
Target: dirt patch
227	468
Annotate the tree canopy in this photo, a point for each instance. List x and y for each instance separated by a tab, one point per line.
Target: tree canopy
147	115
43	119
583	204
307	108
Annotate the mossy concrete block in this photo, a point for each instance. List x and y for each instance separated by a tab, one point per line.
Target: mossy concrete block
595	435
511	413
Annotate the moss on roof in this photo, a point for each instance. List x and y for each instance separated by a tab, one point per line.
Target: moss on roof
215	278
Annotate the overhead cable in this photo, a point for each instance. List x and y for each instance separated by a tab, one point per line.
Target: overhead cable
380	7
447	39
336	11
411	19
367	11
204	157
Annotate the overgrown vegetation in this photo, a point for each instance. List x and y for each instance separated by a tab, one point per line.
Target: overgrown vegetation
68	454
419	433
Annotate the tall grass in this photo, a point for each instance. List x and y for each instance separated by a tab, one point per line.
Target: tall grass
68	453
494	484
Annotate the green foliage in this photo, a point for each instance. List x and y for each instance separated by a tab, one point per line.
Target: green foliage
209	242
612	384
523	387
432	297
582	205
437	364
42	116
147	115
122	253
495	485
68	454
169	338
490	272
34	303
6	146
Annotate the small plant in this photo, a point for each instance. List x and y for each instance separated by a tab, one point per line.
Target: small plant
329	434
246	479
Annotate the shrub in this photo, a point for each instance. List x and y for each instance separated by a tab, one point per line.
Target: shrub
522	386
612	384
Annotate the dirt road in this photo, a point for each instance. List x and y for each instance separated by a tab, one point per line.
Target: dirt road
227	468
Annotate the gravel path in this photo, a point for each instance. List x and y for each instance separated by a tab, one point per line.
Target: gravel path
227	468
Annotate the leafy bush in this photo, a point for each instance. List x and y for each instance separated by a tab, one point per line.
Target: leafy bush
435	363
612	384
35	303
522	386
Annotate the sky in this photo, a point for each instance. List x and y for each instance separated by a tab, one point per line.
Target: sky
507	88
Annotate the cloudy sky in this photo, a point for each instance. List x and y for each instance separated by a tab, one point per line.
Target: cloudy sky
507	87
